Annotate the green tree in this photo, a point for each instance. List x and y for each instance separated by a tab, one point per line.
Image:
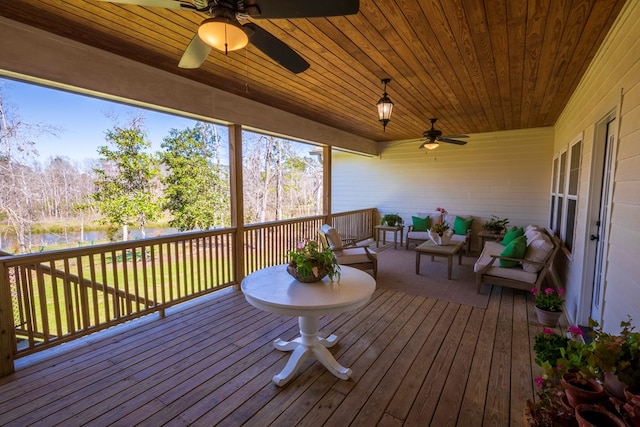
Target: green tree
127	189
196	184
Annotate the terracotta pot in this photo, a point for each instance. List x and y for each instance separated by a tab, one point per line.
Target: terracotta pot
614	386
548	318
632	395
582	392
597	416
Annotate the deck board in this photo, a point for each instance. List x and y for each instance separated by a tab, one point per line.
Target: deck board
415	361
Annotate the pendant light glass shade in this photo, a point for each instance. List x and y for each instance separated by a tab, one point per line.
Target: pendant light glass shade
223	33
385	106
431	145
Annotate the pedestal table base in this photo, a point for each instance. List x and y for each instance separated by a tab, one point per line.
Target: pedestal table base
309	343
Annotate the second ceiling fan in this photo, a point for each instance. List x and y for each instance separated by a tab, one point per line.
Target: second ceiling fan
432	138
223	31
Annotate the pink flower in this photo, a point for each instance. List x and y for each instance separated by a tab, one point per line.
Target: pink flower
547	331
576	330
300	245
559	367
561	291
539	381
549	291
534	290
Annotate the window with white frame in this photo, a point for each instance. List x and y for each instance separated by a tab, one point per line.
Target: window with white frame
564	192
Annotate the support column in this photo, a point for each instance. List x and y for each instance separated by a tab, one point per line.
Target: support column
326	183
237	198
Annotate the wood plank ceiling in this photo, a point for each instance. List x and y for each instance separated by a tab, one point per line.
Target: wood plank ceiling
477	65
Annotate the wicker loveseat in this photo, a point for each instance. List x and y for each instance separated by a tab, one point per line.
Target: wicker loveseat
528	271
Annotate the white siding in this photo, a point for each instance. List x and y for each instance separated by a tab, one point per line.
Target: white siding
499	173
612	83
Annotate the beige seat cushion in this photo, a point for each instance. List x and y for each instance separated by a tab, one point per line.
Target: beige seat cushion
424	235
348	256
514	273
490	249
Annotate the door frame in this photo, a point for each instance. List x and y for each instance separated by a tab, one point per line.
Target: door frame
598	152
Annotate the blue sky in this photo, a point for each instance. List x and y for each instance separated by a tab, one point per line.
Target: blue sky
83	120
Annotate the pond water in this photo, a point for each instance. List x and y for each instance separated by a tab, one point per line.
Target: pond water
73	238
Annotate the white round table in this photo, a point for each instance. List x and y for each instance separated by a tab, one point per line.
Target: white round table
273	290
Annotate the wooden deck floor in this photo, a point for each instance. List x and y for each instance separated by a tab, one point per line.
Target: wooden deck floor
415	361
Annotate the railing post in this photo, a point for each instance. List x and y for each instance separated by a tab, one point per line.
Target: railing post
7	327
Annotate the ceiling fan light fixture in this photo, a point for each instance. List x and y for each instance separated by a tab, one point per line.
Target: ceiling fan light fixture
385	107
432	145
223	33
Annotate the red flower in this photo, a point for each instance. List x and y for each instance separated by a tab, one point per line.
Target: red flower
548	331
576	330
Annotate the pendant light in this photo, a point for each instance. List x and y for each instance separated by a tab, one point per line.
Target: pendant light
223	31
385	107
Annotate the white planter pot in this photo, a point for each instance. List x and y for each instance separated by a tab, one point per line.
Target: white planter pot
441	240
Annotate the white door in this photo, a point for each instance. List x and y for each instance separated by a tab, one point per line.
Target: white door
600	230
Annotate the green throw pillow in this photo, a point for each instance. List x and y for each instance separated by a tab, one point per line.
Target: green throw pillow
515	249
461	225
512	234
421	224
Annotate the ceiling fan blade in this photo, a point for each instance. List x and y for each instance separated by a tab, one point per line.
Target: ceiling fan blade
275	49
452	141
275	9
195	54
167	4
455	136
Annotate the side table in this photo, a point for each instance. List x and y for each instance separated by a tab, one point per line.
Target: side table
487	235
384	229
448	251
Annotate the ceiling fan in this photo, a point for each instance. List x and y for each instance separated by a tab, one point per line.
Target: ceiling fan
223	31
433	137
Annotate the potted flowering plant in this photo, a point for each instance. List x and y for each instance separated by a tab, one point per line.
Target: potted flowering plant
615	358
557	355
308	263
548	305
440	227
566	383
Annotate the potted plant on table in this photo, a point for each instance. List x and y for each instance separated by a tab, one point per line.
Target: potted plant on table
496	224
308	263
392	220
548	305
440	233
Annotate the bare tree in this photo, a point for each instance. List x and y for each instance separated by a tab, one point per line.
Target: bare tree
17	183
